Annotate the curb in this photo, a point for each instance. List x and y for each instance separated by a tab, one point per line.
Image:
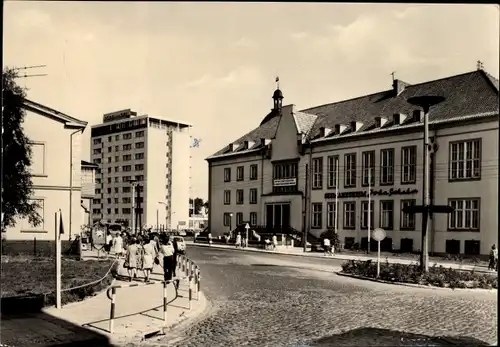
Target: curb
412	285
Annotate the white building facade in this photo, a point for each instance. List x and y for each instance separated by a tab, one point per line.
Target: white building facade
56	166
144	160
320	168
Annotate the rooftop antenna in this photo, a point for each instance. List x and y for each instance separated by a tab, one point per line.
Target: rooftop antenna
277	82
480	65
29	67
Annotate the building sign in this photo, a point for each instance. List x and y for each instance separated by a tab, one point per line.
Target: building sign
116	116
285	182
373	192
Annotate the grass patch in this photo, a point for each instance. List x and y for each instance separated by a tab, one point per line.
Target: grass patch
437	276
34	276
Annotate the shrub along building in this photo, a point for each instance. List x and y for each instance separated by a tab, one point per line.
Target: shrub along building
328	162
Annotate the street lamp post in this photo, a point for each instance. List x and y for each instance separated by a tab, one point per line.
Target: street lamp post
426	102
133	181
230	222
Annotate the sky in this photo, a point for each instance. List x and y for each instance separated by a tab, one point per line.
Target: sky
214	64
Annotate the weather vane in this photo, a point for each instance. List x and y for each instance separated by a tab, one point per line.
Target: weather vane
277	82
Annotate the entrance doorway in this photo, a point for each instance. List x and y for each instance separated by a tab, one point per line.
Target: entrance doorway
277	217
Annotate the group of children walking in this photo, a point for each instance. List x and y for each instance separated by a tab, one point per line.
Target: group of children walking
142	252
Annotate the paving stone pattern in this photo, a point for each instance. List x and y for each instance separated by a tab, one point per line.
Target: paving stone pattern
276	300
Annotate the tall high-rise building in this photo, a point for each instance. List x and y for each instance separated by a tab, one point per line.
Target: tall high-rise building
144	161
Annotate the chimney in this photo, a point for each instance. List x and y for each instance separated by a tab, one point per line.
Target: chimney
249	144
398	86
355	126
340	128
380	122
418	115
398	118
323	132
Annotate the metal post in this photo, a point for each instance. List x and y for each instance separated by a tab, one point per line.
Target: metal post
58	259
112	313
132	225
378	260
424	256
198	283
165	301
190	290
71	179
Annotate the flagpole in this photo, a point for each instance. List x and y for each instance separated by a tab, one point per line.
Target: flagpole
369	206
58	258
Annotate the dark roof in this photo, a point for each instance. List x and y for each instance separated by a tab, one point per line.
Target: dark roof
86	163
466	94
42	109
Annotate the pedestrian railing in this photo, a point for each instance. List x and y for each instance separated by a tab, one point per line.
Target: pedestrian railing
191	274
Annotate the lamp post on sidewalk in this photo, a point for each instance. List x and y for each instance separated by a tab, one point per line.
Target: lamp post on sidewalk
230	223
426	102
133	182
157	215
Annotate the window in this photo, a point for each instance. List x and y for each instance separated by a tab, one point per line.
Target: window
332	162
97	141
253	195
37	166
126	200
387	166
139	156
109	159
117	169
227	219
109	170
98	191
227	174
139	178
387	214
127	136
109	190
126	189
108	211
139	133
472	247
97	151
117	148
368	168
96	201
408	164
116	200
364	215
253	218
127	147
109	200
126	178
465	161
117	158
407	219
466	215
317	179
239	218
239	197
110	149
285	177
126	210
116	188
139	145
96	211
253	172
349	215
127	168
227	197
117	137
117	211
317	215
350	170
110	138
139	167
127	157
97	161
331	215
26	226
109	179
240	171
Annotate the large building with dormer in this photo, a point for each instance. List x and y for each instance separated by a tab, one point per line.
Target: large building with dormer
369	150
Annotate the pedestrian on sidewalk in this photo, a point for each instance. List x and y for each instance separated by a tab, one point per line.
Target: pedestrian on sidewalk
326	246
238	240
165	256
118	245
210	239
493	264
275	241
131	258
149	253
108	244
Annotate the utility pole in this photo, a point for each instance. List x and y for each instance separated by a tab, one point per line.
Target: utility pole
425	102
306	226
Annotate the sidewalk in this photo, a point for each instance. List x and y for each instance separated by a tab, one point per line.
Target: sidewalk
138	310
297	251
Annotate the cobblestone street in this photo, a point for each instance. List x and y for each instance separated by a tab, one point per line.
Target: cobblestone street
279	300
